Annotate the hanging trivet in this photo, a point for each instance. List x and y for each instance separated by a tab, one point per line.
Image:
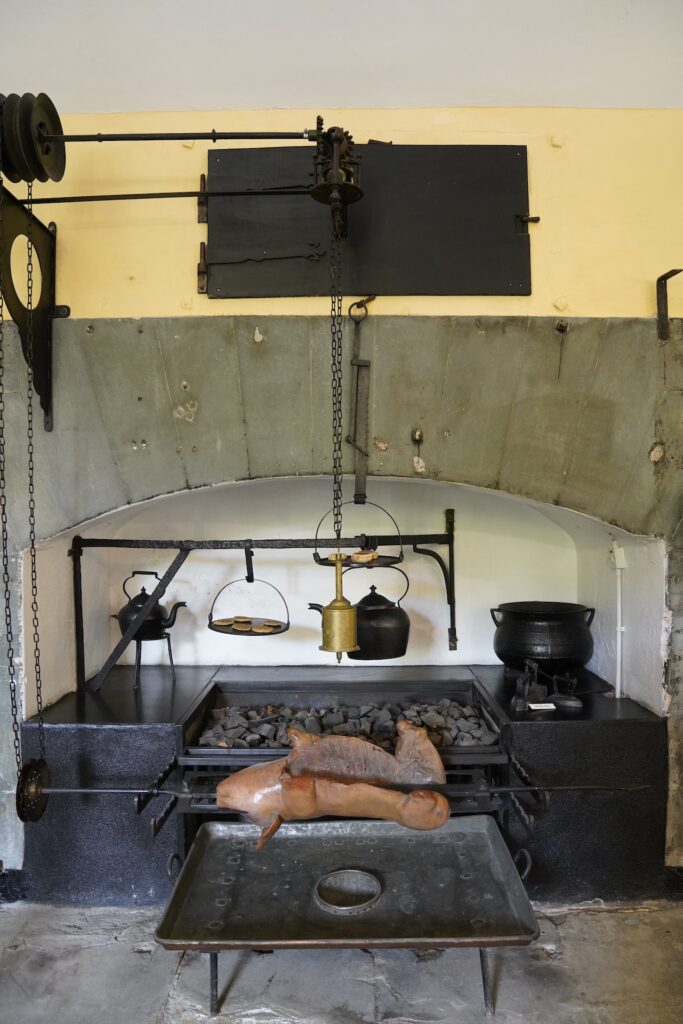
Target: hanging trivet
248	625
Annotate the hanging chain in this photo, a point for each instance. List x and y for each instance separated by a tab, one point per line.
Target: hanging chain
6	584
31	473
337	332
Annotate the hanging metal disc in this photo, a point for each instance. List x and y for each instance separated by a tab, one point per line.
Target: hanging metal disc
27	137
11	145
9	171
45	121
34	778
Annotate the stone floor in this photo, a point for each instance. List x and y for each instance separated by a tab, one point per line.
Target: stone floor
590	966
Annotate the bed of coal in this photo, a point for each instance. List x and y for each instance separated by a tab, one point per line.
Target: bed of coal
448	723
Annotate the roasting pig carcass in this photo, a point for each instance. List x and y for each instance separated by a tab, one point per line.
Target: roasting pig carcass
343	776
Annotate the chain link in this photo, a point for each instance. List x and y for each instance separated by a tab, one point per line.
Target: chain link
6	581
337	333
31	473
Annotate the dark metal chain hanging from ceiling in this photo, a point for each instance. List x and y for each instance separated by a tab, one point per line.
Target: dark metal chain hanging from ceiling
7	593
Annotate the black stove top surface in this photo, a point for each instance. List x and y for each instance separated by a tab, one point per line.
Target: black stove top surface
160	701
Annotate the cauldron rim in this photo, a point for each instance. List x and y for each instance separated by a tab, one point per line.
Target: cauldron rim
541	608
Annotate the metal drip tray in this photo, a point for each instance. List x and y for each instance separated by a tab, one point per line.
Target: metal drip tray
456	886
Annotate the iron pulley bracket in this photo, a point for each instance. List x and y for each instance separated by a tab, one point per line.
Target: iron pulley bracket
16	219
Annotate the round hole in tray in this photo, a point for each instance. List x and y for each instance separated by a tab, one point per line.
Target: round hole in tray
347	891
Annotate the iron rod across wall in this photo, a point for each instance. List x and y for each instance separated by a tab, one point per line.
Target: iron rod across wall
305	135
184	547
114	197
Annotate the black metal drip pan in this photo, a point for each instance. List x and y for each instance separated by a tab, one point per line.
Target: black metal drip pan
456	886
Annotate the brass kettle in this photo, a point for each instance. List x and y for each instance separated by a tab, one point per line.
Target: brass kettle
339	618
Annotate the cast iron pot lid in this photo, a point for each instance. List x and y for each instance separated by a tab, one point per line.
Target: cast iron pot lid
541	608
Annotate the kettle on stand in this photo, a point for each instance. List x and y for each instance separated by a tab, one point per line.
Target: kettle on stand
153	627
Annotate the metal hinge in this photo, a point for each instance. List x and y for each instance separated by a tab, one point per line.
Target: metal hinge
202	270
202	202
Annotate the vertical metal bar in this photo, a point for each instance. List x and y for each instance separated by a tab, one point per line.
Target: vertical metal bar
486	982
450	529
76	553
663	303
213	982
138	659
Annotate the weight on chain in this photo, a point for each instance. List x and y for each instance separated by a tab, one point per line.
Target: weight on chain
26	156
34	779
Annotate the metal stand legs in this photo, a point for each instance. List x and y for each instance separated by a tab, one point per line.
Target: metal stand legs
213	981
483	960
170	655
486	982
138	659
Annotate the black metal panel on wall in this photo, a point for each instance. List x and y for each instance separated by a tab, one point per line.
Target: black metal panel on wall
434	220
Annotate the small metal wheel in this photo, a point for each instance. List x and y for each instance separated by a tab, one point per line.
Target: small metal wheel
34	777
25	156
12	150
45	121
9	171
30	151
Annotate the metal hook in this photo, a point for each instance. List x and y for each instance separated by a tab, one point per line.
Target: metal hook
249	556
361	304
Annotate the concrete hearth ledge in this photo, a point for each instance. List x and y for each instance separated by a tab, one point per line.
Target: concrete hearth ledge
614	965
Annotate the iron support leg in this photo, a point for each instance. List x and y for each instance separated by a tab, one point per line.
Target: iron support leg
486	982
138	659
213	980
170	656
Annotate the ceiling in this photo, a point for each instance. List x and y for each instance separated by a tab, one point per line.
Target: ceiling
221	54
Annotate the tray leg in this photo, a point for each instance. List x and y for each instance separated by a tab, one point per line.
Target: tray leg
213	982
486	982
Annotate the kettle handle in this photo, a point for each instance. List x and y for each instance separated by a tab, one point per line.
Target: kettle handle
403	574
493	615
137	572
590	614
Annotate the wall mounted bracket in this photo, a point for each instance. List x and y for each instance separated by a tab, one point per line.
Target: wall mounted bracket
663	304
360	401
15	221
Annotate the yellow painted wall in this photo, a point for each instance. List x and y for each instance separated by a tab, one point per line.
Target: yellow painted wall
606	183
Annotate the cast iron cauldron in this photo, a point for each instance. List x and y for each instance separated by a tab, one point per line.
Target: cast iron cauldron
553	633
157	620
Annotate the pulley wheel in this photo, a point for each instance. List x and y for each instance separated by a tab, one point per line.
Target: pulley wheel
10	138
31	800
27	141
8	169
349	192
51	155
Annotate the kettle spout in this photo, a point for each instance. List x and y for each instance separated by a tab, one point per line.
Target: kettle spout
170	618
316	608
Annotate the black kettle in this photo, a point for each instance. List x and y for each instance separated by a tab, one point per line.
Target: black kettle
157	620
382	626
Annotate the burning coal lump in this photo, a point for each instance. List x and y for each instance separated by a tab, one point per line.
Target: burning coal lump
448	723
342	776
